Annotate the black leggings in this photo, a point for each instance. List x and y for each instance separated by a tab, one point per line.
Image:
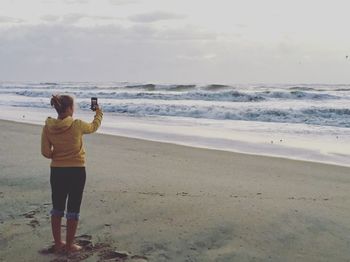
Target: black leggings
67	182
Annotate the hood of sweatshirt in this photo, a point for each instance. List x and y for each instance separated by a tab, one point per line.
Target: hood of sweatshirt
56	126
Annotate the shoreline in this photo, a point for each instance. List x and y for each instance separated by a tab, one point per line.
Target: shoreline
165	202
325	162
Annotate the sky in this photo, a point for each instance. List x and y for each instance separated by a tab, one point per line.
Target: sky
175	41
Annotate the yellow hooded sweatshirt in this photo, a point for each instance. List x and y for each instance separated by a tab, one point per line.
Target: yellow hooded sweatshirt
61	140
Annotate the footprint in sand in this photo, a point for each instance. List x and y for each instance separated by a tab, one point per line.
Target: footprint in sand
110	254
152	193
138	258
33	223
30	214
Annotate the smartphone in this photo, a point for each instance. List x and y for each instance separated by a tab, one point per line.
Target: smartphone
93	103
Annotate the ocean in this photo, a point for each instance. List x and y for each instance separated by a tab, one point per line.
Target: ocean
305	121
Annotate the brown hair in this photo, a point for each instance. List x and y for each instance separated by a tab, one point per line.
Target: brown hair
61	103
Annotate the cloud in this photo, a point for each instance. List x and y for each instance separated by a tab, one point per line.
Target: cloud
154	17
208	56
50	18
76	18
69	2
13	20
123	2
66	52
76	1
146	52
72	18
187	33
242	25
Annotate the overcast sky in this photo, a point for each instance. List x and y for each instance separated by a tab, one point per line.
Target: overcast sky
175	41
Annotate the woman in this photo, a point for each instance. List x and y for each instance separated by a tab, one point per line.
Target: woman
61	141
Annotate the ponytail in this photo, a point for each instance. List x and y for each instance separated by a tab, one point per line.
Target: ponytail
61	103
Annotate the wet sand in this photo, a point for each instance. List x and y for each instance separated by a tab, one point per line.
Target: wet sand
164	202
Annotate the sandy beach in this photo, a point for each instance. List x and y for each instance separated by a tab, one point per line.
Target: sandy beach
164	202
